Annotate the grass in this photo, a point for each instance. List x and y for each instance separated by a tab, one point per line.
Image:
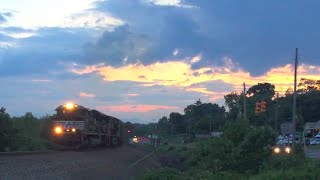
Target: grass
313	147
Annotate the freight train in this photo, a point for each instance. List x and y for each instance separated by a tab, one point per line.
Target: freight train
77	127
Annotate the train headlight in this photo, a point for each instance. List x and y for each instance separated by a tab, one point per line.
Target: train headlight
70	106
276	150
288	150
58	130
73	130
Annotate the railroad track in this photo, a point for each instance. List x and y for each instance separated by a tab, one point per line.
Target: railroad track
25	152
55	150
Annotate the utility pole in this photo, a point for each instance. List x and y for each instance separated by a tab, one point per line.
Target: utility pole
244	102
294	102
210	121
189	130
277	114
153	133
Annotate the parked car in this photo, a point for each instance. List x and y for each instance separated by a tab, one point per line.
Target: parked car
283	141
315	141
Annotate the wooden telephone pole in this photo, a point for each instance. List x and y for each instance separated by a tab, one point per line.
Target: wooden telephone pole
244	102
277	113
294	115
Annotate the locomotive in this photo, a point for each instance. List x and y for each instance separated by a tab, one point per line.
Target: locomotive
77	126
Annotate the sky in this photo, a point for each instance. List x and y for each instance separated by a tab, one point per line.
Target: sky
139	60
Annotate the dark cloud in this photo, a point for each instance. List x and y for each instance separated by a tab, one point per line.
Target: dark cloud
48	51
115	46
258	35
152	33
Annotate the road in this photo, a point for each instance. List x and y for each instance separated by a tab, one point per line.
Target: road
313	152
107	163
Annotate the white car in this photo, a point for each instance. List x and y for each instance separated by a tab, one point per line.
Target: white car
283	141
315	141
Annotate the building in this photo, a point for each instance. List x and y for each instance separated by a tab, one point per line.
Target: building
312	128
286	128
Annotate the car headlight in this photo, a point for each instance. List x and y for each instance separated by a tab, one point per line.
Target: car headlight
288	150
276	150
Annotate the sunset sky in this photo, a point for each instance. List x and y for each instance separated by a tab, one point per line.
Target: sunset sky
141	59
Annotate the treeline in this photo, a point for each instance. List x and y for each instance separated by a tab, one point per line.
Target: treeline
25	133
243	152
203	117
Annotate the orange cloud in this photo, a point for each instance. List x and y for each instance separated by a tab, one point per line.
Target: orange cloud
87	95
136	108
180	74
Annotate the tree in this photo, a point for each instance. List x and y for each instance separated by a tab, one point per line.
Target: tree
164	126
308	103
232	101
6	130
262	90
27	125
201	114
46	126
257	93
255	149
307	85
178	122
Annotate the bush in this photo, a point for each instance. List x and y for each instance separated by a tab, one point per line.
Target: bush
171	148
184	148
237	131
214	154
309	170
255	150
232	157
22	143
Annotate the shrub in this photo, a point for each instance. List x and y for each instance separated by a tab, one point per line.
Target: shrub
237	131
184	148
171	148
215	155
255	150
309	170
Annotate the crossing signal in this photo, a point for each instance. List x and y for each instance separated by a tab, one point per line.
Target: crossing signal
129	131
263	106
258	108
